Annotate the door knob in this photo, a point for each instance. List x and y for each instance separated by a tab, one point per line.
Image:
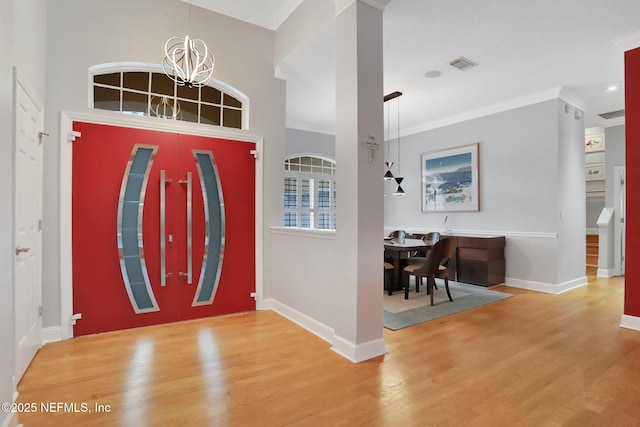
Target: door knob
20	250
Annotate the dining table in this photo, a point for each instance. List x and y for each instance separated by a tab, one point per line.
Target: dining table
397	250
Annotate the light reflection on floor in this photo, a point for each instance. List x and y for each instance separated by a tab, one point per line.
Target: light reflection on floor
212	371
138	379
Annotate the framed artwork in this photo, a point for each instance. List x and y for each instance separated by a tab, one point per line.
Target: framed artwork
594	142
450	179
594	171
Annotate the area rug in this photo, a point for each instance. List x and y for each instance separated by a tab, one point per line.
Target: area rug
400	313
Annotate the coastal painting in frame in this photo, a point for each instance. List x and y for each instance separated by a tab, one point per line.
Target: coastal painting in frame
450	179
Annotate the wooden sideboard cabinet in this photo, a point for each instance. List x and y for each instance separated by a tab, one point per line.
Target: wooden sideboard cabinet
480	260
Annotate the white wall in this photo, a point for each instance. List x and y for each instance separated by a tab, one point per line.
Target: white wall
7	342
89	32
595	189
304	21
614	156
570	214
307	256
305	274
594	204
521	165
22	41
331	282
531	168
518	172
30	26
305	142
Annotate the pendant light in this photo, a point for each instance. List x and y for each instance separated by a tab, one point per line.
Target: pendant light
388	175
399	191
188	62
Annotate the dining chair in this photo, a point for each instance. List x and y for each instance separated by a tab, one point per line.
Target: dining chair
388	277
398	235
419	256
448	252
435	265
431	237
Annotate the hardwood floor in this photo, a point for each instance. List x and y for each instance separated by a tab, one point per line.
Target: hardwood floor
531	360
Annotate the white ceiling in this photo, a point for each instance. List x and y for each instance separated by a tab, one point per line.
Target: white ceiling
525	49
264	13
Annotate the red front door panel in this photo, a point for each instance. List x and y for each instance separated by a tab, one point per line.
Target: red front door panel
117	227
236	169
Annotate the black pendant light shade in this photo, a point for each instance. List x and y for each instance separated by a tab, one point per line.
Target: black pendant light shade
399	191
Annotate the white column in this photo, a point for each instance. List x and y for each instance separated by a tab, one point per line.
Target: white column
360	208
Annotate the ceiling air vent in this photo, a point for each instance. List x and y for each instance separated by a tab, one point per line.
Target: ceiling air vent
462	63
612	114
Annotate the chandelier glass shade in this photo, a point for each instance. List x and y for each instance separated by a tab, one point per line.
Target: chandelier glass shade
188	62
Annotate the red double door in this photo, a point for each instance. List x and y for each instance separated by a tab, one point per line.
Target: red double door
163	227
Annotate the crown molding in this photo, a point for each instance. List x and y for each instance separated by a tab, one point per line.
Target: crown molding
559	92
523	101
311	127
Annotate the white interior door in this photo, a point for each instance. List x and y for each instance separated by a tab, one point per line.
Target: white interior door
28	214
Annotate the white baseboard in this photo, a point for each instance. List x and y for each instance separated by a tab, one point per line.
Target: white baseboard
572	284
604	272
548	288
347	349
361	352
630	322
319	329
51	334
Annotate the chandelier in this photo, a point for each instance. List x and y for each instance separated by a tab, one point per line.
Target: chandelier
188	62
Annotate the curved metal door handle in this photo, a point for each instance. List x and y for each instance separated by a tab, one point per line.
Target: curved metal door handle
163	229
20	250
189	273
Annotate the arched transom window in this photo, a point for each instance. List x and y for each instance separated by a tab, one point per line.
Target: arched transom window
149	92
310	192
